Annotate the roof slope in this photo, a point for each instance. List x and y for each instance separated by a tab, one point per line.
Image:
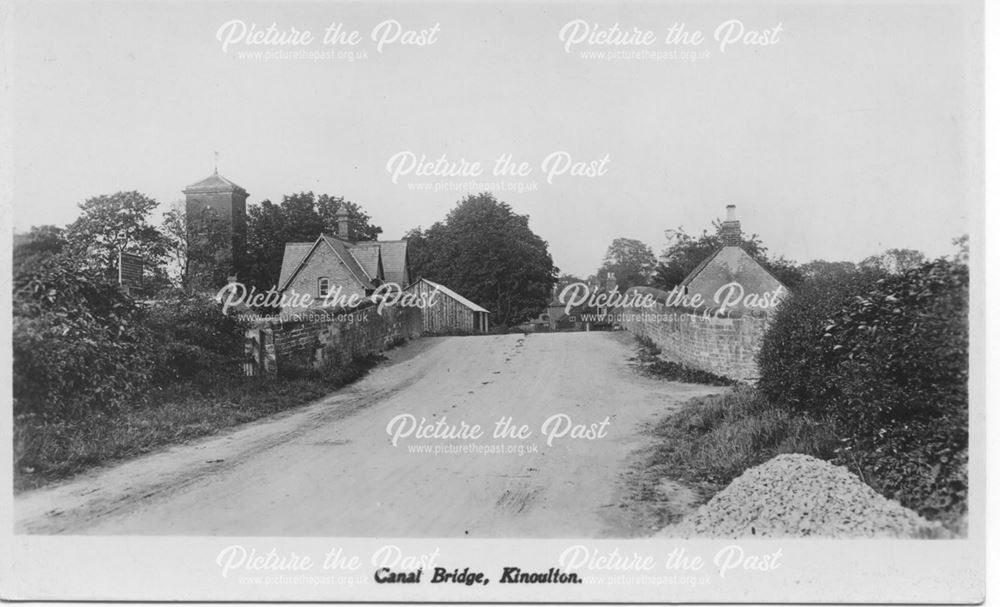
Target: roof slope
698	268
369	257
294	253
465	302
214	183
394	261
340	249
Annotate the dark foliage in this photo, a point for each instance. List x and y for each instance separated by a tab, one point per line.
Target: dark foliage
194	339
81	345
885	358
78	341
488	253
300	217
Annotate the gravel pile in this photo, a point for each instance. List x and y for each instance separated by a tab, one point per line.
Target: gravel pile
797	495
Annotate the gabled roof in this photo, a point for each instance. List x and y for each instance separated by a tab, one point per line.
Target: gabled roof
729	259
465	302
394	260
369	257
339	248
698	268
214	183
294	253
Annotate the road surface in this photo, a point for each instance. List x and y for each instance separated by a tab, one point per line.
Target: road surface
330	468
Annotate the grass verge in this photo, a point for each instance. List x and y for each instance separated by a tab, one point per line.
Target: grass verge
714	439
46	450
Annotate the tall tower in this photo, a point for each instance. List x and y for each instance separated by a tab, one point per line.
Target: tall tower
216	210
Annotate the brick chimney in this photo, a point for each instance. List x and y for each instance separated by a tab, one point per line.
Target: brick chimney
342	222
731	234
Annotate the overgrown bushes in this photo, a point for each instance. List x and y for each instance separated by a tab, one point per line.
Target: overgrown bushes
81	346
885	359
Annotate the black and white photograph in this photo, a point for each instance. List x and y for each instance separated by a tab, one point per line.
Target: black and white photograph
533	301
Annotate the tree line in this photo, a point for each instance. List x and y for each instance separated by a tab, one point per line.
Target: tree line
482	249
629	262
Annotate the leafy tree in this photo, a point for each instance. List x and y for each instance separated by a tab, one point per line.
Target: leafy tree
895	261
113	224
565	280
819	269
684	252
300	217
630	261
36	245
486	252
418	252
359	225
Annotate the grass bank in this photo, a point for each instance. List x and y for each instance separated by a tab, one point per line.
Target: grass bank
47	450
713	440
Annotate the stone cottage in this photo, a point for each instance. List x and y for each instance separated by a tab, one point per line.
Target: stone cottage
335	268
730	278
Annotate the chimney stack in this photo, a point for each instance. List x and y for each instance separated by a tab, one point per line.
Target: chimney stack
342	222
731	233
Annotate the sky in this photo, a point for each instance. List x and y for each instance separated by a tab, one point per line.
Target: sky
857	128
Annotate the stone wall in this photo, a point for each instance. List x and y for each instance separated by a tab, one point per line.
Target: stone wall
725	346
330	343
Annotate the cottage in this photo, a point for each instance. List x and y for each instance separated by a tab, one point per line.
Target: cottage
451	312
730	279
334	269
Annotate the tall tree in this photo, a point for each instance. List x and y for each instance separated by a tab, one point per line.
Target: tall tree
110	225
359	225
300	217
488	253
630	261
894	261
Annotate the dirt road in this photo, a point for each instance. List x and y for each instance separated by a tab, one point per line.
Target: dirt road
331	469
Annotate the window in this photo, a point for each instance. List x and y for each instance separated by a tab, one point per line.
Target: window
324	286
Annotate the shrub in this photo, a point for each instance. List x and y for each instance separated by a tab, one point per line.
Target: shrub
885	358
194	338
792	359
82	346
899	353
77	340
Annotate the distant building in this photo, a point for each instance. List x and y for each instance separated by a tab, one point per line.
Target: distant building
332	264
730	264
215	205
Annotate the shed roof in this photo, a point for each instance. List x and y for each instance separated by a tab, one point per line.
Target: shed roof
465	302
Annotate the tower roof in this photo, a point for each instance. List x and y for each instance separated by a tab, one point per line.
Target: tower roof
214	183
